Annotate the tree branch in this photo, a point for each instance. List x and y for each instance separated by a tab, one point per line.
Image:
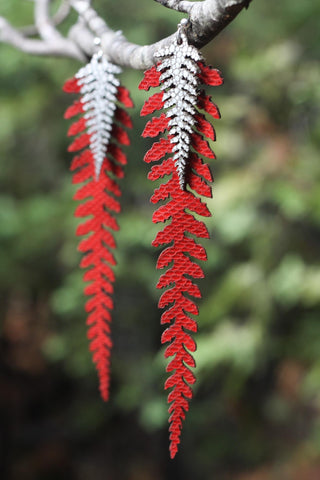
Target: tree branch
210	17
206	20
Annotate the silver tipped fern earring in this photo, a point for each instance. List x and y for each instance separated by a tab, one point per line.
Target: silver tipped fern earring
181	75
98	166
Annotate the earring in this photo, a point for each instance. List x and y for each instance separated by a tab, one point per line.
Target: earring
100	135
180	73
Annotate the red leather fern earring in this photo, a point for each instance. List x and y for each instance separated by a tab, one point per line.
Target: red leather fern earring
180	73
100	135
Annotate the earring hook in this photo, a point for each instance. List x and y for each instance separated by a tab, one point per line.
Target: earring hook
182	29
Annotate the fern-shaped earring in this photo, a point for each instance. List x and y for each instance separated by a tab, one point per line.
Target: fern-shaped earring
100	136
180	73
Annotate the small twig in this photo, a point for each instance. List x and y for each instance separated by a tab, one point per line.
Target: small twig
43	22
179	5
58	18
64	48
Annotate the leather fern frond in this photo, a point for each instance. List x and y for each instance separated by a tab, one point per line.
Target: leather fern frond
180	74
100	134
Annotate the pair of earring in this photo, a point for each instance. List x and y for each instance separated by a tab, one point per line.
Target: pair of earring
100	133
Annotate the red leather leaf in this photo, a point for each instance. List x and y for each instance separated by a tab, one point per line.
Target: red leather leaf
112	167
172	231
79	143
123	117
123	96
151	79
177	334
117	153
97	271
95	288
152	104
102	235
91	258
158	150
170	254
155	126
173	209
200	187
177	314
205	103
173	295
165	168
75	109
210	76
119	134
181	404
205	127
201	146
82	175
173	275
200	168
96	240
106	302
71	86
181	387
81	160
77	127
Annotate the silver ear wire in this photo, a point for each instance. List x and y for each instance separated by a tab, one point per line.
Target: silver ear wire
81	5
99	52
182	29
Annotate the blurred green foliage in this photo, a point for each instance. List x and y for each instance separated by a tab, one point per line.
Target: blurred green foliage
256	405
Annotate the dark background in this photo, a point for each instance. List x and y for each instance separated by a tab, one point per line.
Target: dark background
255	415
